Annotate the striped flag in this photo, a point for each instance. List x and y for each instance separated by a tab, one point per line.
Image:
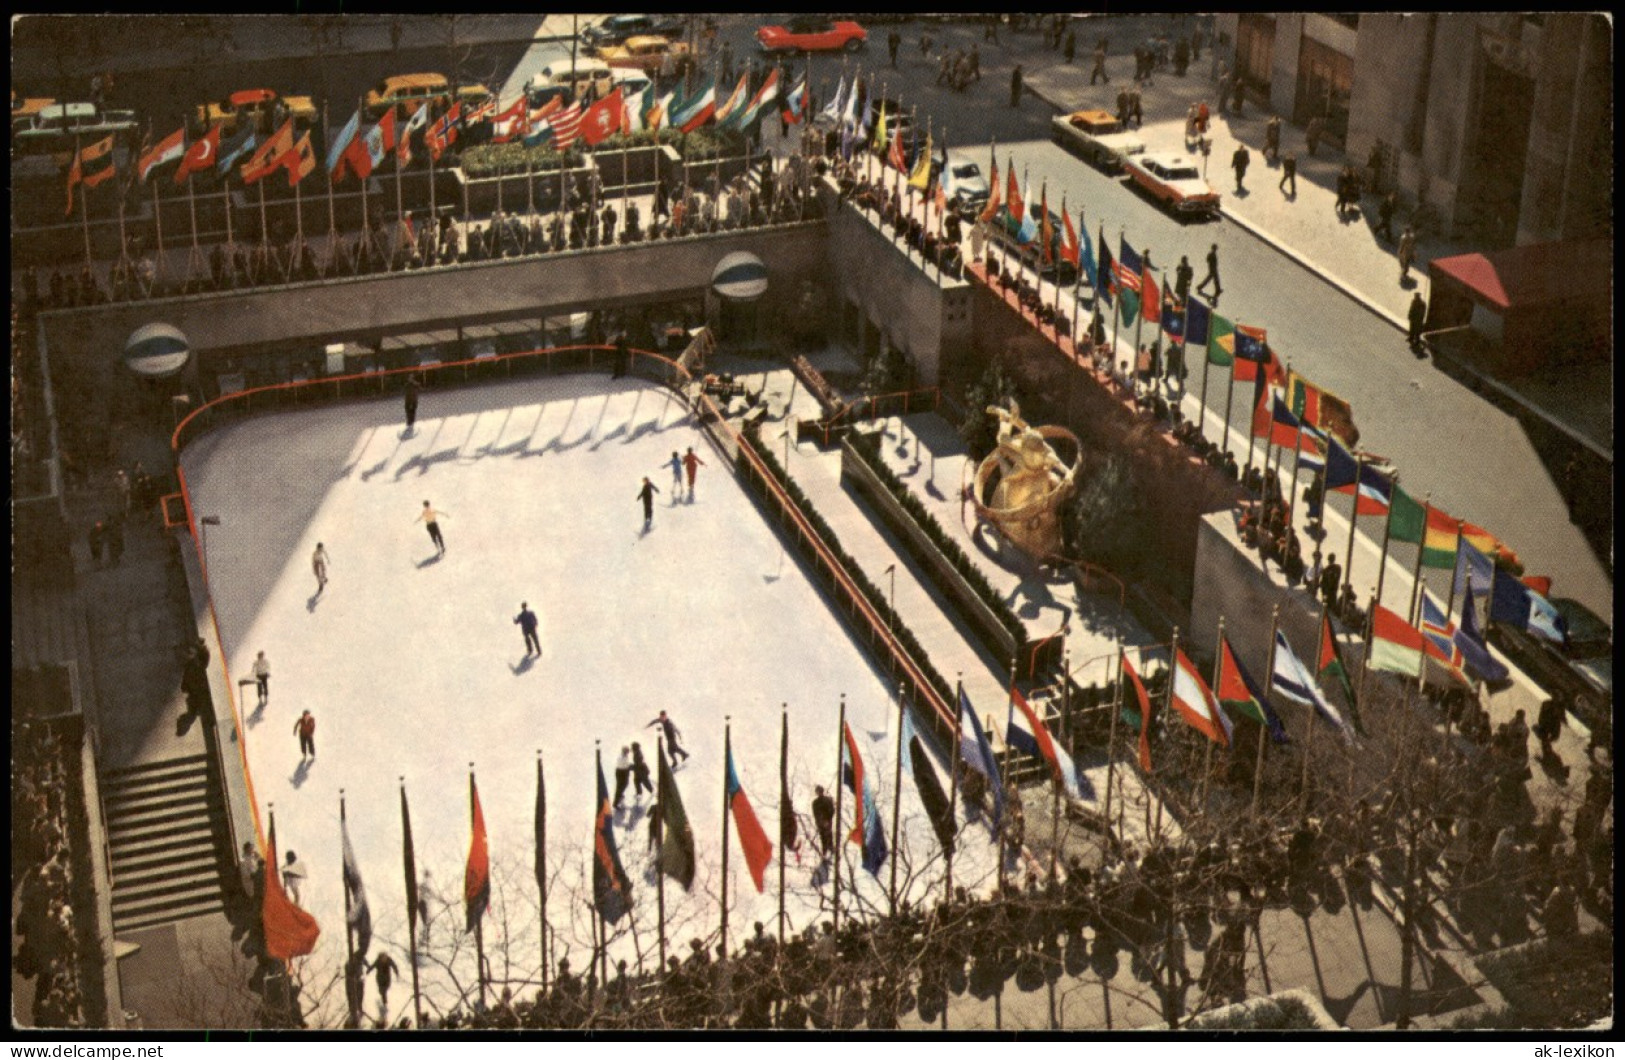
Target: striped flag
164	151
1396	645
1195	702
1238	692
1145	711
1291	679
977	753
867	831
752	840
1027	733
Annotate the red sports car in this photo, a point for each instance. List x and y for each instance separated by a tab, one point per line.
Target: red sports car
809	33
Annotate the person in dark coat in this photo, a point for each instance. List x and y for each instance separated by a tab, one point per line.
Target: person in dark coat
668	729
1417	316
823	808
1015	86
640	773
1239	162
647	495
1549	724
411	402
526	621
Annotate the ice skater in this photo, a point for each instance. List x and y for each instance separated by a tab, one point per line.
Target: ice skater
318	564
823	808
262	677
623	775
676	465
692	464
640	773
526	621
431	519
305	729
385	970
647	496
669	729
411	402
293	876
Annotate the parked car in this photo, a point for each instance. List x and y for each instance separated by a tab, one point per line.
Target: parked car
58	126
261	106
1175	181
964	184
1097	136
583	79
648	54
25	110
617	29
897	118
1581	670
408	92
812	33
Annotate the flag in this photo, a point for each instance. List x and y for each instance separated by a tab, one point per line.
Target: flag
1238	692
977	753
92	165
611	890
920	178
1491	545
566	126
849	117
835	109
379	143
1475	653
510	124
795	104
1145	712
1396	645
752	840
655	109
676	835
403	143
1407	520
1026	732
1321	408
299	160
477	873
1198	323
201	155
1173	321
239	146
1273	420
1013	201
1515	604
479	113
734	105
1107	272
443	133
603	119
1150	299
1129	262
1342	471
1329	665
289	931
867	832
341	144
1250	343
991	210
1439	637
879	143
696	109
164	151
759	102
1221	343
538	130
896	155
360	918
1194	701
264	161
1540	583
541	829
917	761
409	862
1071	251
1291	678
1474	565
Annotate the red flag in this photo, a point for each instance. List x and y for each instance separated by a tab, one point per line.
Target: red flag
1012	197
991	210
168	149
758	850
299	161
603	119
1070	250
358	157
201	155
477	876
1046	230
289	931
1150	300
1145	715
1540	583
898	158
266	158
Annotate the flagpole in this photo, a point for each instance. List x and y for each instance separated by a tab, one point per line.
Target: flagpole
953	785
1055	805
1229	397
191	205
400	209
1354	517
1421	549
1207	750
1387	526
1201	415
1450	606
479	934
836	837
784	798
1134	363
1269	686
1254	406
411	912
332	215
660	848
1111	742
1173	667
158	228
541	861
1292	487
727	751
84	202
897	801
351	995
1010	713
298	224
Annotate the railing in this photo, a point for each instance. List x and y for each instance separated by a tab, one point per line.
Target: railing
896	403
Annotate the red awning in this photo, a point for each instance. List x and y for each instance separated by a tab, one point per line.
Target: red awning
1534	275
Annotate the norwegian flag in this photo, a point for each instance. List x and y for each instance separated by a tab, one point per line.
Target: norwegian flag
443	133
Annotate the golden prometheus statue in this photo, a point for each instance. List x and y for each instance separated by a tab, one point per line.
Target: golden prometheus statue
1021	487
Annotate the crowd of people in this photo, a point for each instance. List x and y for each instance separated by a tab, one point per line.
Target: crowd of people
940	248
45	767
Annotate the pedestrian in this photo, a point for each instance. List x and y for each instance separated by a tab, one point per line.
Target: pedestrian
894	40
623	775
1407	253
1015	86
1183	274
1239	162
1385	214
1212	273
1182	56
1330	580
293	876
1098	71
431	520
668	728
1224	91
1070	47
647	496
1418	316
925	43
318	564
526	621
823	808
384	971
121	483
692	464
1549	724
1134	108
1122	107
262	677
411	402
975	62
1239	94
1272	138
305	729
97	538
623	357
1313	132
640	773
676	465
1289	174
251	873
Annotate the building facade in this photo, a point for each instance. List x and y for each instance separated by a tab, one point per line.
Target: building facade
1502	123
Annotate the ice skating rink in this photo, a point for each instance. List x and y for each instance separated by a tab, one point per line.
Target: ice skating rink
413	667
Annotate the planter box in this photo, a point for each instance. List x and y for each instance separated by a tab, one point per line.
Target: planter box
483	192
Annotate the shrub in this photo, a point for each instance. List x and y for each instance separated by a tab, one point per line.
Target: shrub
490	160
1102	524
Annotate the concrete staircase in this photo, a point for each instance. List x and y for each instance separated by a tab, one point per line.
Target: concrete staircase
164	823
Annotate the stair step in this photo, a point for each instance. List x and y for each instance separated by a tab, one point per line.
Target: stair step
157	918
135	774
168	788
195	865
119	827
130	854
137	808
164	893
139	836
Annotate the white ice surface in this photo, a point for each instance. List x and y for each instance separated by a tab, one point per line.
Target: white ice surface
413	667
